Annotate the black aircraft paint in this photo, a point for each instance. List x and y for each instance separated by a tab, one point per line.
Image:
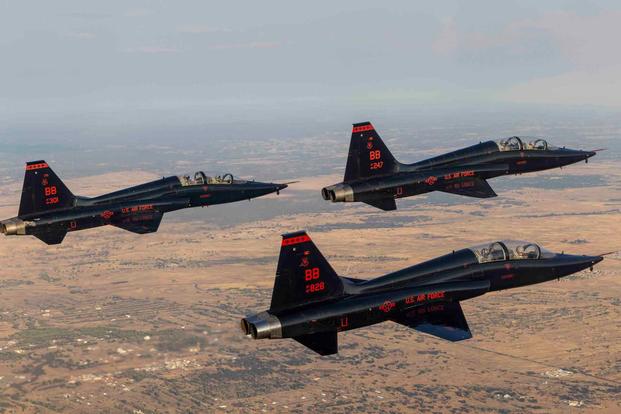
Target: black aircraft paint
48	209
311	303
375	177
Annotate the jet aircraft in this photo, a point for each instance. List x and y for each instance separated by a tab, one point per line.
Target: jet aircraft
375	177
311	303
48	209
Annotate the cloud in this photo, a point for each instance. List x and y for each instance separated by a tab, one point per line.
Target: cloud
200	29
563	57
588	41
153	50
138	12
246	45
599	87
82	35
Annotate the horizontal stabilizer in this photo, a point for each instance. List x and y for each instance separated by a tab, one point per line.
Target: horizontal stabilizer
52	236
141	224
386	204
445	320
324	343
469	187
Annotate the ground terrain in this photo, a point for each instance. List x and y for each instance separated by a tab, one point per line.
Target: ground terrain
111	321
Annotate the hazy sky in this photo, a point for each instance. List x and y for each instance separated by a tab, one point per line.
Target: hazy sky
65	58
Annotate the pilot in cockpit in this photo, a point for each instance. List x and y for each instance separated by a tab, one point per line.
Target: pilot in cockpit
200	178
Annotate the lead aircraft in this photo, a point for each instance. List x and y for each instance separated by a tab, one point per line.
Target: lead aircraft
48	209
311	303
375	177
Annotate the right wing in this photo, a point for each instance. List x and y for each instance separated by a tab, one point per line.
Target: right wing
142	223
469	187
445	320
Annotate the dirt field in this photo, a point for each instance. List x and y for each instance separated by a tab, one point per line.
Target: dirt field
111	321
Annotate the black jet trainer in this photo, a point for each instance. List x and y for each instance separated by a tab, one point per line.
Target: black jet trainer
375	177
311	303
48	209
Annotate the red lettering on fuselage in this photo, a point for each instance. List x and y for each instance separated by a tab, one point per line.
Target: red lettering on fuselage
459	174
435	295
136	209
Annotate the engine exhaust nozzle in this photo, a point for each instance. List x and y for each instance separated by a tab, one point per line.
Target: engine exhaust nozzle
338	192
261	326
13	227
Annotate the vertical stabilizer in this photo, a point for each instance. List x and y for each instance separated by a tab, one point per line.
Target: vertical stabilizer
303	275
368	155
43	190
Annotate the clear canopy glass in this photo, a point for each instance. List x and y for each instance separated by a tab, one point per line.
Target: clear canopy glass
509	250
523	144
200	178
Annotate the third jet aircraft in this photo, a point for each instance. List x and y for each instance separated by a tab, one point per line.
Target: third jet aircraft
375	177
311	303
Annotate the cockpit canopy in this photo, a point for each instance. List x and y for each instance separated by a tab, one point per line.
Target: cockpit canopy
200	178
509	250
523	144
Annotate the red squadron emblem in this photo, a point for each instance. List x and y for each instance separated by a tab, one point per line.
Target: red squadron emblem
387	306
304	262
370	145
107	214
508	266
431	180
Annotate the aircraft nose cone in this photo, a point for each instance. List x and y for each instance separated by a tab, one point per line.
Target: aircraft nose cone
588	261
590	154
596	259
281	186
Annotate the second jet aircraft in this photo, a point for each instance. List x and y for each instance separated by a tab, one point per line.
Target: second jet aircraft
375	177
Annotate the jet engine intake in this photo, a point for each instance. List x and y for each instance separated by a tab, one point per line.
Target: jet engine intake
261	326
338	192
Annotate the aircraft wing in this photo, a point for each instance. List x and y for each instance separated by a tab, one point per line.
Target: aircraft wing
386	204
142	223
324	343
53	235
445	320
469	187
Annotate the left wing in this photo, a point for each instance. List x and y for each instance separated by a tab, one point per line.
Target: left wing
470	187
142	223
445	320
